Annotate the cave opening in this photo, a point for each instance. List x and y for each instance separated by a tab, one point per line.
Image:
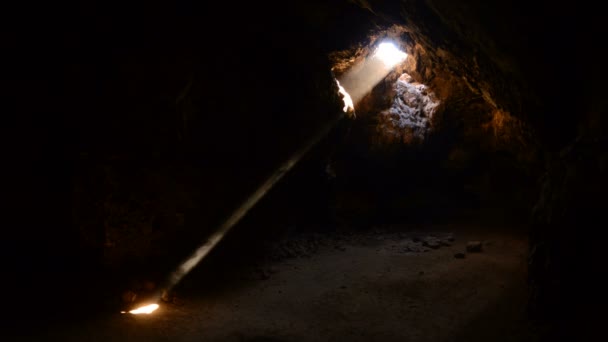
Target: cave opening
352	170
407	139
410	105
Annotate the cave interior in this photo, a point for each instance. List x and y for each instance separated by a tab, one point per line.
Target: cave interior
140	129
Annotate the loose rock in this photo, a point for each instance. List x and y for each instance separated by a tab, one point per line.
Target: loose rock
431	242
165	297
129	296
409	246
149	285
474	246
459	255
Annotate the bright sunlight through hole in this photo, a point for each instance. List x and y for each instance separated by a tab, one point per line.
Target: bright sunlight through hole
389	54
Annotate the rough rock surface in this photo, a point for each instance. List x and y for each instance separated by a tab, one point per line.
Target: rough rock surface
474	246
305	245
409	117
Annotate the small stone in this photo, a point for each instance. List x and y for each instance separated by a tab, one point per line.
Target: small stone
431	242
445	243
459	255
474	246
164	296
129	296
149	285
177	301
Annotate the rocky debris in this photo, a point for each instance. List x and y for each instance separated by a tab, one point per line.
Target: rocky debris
411	246
411	112
431	242
165	296
177	300
170	297
437	240
474	246
459	255
414	243
262	273
305	245
262	270
139	289
149	285
296	247
129	296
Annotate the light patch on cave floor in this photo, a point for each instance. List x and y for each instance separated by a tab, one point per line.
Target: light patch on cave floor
146	309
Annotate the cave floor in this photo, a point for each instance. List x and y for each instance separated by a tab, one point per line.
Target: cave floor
363	287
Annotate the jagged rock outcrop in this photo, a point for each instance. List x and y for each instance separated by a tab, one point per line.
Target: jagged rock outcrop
409	117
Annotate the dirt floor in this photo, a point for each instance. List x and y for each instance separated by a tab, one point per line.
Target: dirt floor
383	285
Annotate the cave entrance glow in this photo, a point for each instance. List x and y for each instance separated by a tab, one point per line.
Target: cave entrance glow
389	54
363	76
401	109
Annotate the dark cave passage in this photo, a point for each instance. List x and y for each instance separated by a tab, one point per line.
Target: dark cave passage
457	201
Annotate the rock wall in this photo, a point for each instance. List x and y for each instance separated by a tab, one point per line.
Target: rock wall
507	55
409	117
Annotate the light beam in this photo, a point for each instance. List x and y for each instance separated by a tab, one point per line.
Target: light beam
238	214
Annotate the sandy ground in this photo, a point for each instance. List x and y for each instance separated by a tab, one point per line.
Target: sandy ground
367	287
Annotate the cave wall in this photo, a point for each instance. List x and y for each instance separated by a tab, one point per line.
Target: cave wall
472	149
508	53
523	83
